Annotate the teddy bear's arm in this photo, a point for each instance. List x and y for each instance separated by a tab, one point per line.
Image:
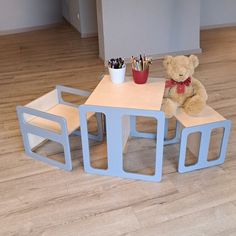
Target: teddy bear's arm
199	89
166	92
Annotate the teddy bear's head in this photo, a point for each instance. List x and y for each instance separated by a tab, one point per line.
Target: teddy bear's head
179	68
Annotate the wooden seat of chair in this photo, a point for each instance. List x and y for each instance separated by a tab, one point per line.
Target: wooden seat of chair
71	115
208	115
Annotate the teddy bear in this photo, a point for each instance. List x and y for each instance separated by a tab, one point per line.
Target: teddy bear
181	88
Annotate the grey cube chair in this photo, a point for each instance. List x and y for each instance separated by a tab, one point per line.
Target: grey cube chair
196	133
51	118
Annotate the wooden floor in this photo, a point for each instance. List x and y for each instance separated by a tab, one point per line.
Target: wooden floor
36	199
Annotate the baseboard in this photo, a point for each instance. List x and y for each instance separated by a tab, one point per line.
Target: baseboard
82	35
162	55
183	52
28	29
208	27
88	35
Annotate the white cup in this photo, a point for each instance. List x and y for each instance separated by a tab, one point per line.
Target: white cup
117	75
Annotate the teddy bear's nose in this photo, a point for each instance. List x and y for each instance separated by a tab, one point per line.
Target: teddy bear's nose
180	74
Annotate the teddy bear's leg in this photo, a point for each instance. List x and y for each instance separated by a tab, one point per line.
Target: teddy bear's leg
194	105
169	107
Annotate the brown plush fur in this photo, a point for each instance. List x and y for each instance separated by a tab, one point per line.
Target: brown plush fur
194	98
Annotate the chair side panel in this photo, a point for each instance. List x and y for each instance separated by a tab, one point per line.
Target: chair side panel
43	103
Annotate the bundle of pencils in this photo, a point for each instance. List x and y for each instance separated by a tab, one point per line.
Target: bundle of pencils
117	63
142	63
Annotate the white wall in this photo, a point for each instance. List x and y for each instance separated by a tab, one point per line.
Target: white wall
154	27
21	14
100	29
82	15
70	10
218	13
88	16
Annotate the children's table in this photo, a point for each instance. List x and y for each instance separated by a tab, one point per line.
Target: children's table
121	104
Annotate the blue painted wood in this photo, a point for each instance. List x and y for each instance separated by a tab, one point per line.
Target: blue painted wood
205	131
62	138
63	89
114	141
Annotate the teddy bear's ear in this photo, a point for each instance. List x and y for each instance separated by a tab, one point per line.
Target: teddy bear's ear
194	60
167	60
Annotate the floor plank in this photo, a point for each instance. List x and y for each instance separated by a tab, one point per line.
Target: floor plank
37	199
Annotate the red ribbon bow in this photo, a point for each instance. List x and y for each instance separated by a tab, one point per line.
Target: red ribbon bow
180	85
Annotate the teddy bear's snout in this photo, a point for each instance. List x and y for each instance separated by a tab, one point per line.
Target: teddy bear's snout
182	72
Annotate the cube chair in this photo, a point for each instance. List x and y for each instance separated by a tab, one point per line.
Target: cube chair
200	127
51	118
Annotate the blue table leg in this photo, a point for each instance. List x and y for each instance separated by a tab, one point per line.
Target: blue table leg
114	129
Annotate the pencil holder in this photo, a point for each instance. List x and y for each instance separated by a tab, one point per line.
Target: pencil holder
140	77
117	75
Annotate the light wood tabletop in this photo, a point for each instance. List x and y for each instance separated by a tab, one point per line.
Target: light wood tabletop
146	96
